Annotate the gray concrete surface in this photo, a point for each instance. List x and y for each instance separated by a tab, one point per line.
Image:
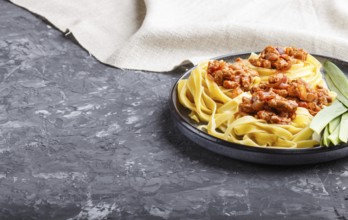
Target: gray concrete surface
81	140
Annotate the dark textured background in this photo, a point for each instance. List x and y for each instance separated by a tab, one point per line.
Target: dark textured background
80	140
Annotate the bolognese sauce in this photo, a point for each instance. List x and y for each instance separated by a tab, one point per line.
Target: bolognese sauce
235	76
277	100
279	58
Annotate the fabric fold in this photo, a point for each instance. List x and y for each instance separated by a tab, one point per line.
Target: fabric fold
158	35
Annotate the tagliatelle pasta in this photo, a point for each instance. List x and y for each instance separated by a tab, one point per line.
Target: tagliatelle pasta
217	110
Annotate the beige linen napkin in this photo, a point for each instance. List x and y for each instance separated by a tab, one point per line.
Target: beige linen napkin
158	35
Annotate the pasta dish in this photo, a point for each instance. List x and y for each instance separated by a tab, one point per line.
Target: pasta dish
267	100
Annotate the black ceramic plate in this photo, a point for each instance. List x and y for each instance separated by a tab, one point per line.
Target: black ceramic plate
275	156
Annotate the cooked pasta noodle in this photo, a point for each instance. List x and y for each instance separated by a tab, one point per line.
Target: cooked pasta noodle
215	109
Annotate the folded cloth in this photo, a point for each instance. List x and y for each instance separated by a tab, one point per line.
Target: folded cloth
158	35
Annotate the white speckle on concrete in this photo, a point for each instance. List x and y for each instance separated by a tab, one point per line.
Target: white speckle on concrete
32	84
102	133
2	150
14	124
131	120
108	114
72	114
111	129
129	163
135	104
129	111
344	174
78	176
102	88
58	175
85	107
230	193
143	172
43	112
95	212
311	185
163	213
62	175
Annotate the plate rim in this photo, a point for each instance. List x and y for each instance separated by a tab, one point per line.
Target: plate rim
274	150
